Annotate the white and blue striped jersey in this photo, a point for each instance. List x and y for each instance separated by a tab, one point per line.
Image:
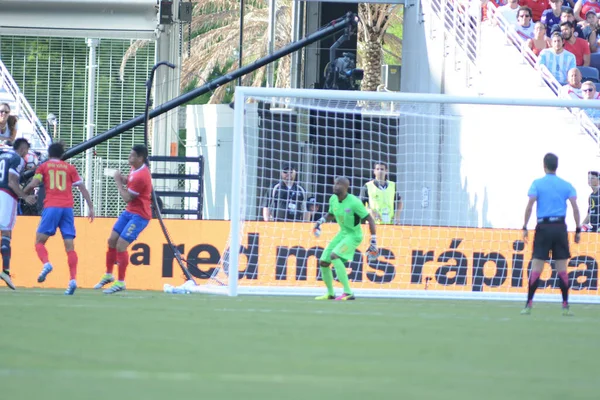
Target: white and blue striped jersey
558	64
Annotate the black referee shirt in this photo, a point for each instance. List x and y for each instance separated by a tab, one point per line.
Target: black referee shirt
286	203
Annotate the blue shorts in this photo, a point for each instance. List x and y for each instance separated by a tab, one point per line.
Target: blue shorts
129	226
57	217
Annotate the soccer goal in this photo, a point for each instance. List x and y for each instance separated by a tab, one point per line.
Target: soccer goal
452	176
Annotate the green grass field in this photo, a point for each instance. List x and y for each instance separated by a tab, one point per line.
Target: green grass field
148	345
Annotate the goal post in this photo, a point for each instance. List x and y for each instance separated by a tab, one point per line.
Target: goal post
461	166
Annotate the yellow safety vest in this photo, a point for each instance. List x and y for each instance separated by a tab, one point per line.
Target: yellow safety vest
382	201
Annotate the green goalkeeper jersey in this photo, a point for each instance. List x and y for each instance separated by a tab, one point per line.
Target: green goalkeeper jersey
348	214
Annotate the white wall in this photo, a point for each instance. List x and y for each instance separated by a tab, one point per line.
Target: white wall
479	161
210	134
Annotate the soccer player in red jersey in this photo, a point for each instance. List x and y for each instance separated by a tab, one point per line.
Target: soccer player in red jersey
58	177
136	191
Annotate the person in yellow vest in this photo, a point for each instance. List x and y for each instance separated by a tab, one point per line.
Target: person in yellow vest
381	198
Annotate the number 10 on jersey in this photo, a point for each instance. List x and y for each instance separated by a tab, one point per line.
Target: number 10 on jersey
58	179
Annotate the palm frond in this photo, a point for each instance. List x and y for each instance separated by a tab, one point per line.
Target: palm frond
130	53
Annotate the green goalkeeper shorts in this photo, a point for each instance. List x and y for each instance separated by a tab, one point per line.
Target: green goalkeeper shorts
343	245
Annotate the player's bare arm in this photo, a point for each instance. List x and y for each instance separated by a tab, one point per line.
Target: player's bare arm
126	195
528	211
35	182
576	216
88	199
13	183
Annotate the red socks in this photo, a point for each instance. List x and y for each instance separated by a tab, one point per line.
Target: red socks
72	261
41	252
123	261
111	258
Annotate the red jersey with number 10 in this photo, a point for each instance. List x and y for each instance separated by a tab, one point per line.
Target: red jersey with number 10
139	183
58	178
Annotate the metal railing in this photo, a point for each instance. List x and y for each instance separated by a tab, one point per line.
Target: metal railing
462	22
23	109
528	57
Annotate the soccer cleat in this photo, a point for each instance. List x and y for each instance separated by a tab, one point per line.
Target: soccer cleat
106	279
526	310
117	287
346	296
325	297
566	311
45	271
6	278
71	288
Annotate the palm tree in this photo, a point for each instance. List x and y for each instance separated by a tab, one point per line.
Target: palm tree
375	19
214	42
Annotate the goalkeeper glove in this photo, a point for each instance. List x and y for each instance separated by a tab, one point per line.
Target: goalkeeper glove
372	251
586	227
317	227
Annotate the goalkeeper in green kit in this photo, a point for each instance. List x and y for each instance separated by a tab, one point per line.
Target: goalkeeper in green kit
349	212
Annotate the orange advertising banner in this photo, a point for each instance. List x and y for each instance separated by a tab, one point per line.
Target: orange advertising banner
285	254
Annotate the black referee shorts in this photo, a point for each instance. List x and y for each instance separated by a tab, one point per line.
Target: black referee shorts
551	237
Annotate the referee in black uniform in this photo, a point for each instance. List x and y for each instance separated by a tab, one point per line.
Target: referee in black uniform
551	194
285	200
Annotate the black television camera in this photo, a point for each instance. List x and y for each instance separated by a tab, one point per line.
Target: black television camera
342	74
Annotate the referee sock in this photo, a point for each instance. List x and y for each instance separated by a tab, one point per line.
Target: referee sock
72	261
342	275
123	260
42	252
534	281
111	259
563	284
6	251
327	276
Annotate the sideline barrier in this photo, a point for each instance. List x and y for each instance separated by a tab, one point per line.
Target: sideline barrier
454	259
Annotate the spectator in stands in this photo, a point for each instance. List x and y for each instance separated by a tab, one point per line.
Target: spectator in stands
285	200
557	59
588	90
578	46
572	90
591	29
539	41
524	26
537	7
509	11
551	16
8	125
583	6
567	15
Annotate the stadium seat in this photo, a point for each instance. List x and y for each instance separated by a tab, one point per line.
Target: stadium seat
589	74
597	86
595	60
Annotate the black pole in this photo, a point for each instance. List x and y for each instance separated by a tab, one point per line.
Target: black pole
349	19
241	46
148	91
172	247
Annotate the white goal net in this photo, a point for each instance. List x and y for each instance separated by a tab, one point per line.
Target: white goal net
446	178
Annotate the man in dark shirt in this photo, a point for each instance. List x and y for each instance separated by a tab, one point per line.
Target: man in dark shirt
592	220
285	200
313	209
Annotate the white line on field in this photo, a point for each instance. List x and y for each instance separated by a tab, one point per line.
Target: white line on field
133	375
